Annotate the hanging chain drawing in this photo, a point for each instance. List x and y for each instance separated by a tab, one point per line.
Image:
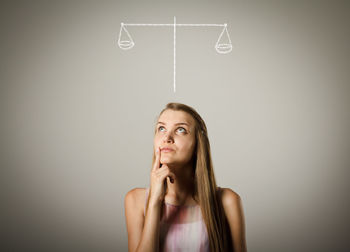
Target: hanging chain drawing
222	46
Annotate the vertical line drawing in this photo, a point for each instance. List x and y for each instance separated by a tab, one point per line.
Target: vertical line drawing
174	54
223	45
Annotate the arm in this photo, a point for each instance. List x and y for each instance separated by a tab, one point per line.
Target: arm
143	232
234	212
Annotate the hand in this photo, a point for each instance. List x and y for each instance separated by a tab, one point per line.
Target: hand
159	174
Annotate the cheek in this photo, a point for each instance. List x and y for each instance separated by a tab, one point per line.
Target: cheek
188	147
155	144
156	139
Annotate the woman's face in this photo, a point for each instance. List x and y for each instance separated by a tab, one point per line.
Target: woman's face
175	130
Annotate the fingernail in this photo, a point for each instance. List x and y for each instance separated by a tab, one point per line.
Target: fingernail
157	150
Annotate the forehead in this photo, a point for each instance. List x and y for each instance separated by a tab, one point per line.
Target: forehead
172	117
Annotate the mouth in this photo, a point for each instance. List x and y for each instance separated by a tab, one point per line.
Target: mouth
167	150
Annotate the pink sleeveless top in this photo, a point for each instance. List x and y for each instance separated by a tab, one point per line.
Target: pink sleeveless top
182	228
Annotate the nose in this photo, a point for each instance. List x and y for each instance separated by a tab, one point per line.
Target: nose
168	138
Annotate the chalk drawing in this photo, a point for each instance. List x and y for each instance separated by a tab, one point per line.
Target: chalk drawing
222	46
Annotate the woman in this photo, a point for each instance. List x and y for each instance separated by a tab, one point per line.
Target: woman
183	210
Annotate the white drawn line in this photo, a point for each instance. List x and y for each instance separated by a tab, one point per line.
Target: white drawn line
174	54
220	25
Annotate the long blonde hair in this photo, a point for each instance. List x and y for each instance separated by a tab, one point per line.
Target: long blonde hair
205	192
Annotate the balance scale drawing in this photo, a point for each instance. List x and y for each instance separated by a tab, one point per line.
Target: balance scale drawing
126	42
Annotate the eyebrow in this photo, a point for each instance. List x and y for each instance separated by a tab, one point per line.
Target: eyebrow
175	123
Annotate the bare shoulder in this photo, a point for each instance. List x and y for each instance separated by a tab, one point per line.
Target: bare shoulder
136	197
136	192
230	198
134	204
232	205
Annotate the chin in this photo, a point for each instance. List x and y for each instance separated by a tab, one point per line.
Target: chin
166	160
171	162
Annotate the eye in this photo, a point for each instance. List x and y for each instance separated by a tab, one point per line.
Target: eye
160	128
184	130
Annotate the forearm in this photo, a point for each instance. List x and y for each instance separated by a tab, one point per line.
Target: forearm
150	234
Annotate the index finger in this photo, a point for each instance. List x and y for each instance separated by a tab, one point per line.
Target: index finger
157	161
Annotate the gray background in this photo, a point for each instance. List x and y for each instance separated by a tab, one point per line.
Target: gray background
78	116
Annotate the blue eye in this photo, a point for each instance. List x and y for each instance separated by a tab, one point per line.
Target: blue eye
183	129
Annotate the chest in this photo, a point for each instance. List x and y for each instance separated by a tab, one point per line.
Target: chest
183	229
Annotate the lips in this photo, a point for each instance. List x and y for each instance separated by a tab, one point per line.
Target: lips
166	149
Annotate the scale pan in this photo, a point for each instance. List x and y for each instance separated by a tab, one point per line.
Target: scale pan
126	44
125	41
223	48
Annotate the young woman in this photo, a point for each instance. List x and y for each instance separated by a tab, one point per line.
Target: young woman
183	209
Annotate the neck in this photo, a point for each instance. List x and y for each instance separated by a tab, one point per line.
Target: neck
183	186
